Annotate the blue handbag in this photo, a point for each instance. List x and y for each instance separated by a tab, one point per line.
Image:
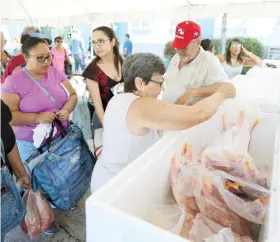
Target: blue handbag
63	171
12	205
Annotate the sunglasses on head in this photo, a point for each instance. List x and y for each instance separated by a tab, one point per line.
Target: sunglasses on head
236	45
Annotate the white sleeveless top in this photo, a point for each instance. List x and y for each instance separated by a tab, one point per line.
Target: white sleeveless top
120	147
232	71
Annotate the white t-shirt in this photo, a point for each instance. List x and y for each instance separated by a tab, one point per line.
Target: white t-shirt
204	70
120	147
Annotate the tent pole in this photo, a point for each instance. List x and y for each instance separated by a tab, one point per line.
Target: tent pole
224	33
24	9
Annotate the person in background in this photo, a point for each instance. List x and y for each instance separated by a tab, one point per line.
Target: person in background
32	110
104	72
5	56
132	118
193	73
30	30
78	51
17	61
12	159
233	60
60	54
207	45
127	46
27	31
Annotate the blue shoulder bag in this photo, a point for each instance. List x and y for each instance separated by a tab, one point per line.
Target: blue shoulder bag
63	171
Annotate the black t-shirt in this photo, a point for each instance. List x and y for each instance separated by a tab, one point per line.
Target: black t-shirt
95	73
7	133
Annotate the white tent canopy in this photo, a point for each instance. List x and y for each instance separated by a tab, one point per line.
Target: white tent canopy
67	12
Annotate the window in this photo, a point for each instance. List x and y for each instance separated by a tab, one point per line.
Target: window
172	27
278	22
141	27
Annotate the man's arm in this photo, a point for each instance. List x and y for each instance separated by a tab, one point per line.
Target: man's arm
125	48
206	91
215	78
124	51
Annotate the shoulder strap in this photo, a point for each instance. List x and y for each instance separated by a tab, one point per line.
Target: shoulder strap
42	88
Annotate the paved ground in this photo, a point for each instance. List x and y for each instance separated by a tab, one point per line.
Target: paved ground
72	227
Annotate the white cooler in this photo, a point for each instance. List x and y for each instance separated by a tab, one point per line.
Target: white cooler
116	213
259	88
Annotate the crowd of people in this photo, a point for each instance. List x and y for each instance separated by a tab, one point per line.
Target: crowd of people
193	87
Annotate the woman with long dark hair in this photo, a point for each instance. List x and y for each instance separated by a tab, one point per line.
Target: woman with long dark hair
104	72
233	60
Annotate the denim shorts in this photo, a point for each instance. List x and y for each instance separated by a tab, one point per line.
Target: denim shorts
12	205
28	151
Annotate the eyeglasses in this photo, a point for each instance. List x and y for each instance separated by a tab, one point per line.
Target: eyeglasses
99	42
42	59
157	82
59	41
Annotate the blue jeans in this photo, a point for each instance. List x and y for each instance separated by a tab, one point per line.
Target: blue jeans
79	61
12	205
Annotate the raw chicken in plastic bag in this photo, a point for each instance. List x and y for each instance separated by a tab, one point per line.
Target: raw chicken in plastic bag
39	214
235	137
240	113
229	152
215	188
186	202
194	191
238	123
217	158
204	229
168	217
247	199
223	198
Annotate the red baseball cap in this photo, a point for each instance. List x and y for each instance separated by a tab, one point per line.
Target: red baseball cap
185	33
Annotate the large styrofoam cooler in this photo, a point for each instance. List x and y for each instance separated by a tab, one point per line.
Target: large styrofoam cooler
117	212
265	73
261	89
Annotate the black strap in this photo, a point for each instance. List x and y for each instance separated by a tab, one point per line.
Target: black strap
63	131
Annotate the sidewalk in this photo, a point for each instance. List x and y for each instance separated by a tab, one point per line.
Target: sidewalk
72	227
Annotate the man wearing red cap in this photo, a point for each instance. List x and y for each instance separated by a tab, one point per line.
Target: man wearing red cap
193	73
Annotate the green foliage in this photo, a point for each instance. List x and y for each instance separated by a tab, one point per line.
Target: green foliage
168	51
251	44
